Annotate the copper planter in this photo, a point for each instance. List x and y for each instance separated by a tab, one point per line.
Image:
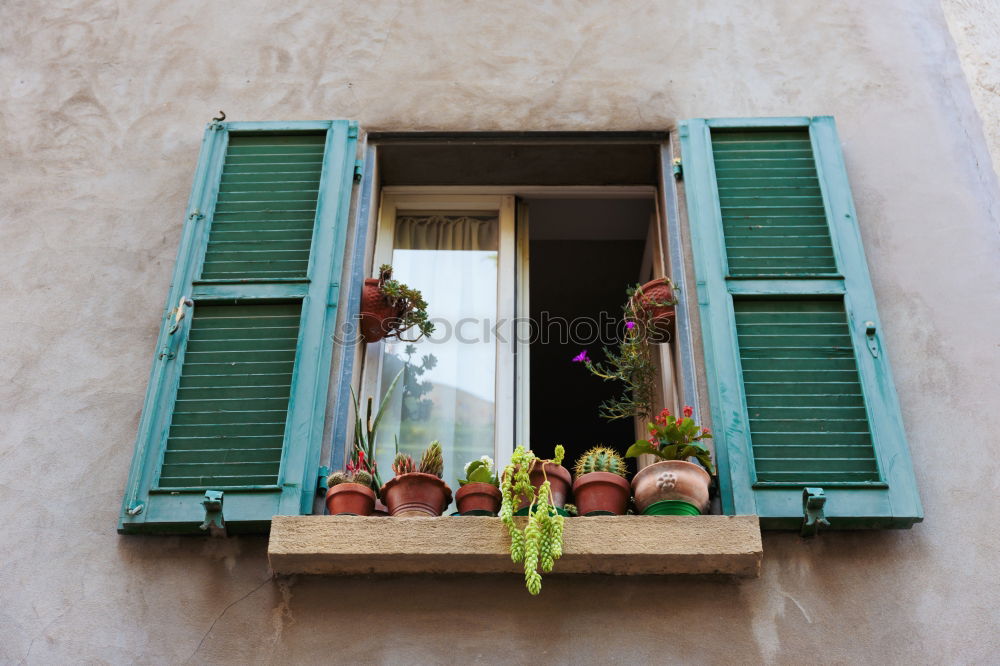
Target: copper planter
671	480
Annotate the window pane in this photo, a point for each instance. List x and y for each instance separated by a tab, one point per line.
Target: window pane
447	390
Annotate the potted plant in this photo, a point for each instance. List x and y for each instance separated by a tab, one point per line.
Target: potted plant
539	542
673	486
417	490
350	492
652	306
389	308
365	434
479	494
600	487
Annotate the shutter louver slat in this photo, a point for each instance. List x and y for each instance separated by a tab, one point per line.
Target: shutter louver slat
229	418
269	191
773	216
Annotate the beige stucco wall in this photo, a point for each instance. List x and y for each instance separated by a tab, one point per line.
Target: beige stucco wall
101	115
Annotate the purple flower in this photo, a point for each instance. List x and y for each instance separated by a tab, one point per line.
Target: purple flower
581	357
630	325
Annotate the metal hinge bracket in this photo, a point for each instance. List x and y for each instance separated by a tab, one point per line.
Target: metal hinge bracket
359	170
321	486
214	522
870	336
678	169
813	500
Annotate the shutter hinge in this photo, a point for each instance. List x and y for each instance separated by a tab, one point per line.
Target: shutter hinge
214	522
870	336
196	215
359	170
813	500
216	123
678	169
352	131
135	509
321	486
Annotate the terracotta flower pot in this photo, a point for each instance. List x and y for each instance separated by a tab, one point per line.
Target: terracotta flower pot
560	481
376	313
662	317
676	480
600	493
483	498
416	494
351	499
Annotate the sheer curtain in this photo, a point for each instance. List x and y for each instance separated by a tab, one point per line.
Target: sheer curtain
447	389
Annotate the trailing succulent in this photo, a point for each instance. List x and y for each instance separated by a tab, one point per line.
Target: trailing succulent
539	543
431	462
600	459
408	302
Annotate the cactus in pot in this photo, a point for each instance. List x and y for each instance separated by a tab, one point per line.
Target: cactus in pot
350	491
600	487
417	490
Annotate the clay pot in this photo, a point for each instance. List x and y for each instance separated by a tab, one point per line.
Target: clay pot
601	493
662	317
671	480
376	313
483	498
416	494
351	499
560	481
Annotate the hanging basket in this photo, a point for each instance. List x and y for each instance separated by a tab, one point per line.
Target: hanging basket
661	318
378	318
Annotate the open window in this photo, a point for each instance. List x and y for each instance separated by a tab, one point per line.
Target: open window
524	251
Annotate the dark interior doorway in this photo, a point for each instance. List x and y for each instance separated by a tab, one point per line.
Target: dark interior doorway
584	254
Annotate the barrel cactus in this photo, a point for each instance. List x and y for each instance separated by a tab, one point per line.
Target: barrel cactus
432	462
600	459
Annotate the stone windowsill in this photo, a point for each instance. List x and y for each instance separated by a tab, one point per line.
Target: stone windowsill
628	545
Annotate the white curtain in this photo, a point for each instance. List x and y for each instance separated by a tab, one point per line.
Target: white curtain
440	232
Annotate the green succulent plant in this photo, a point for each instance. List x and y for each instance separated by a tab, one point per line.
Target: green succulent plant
600	459
480	470
539	543
409	302
432	462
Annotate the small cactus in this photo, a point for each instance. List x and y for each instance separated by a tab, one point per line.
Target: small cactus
336	479
600	459
363	477
402	464
432	462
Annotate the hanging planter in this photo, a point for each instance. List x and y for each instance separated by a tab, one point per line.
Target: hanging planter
389	309
653	306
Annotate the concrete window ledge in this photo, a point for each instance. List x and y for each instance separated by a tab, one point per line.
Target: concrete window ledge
627	545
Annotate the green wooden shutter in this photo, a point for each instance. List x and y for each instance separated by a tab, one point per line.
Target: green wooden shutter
799	383
237	392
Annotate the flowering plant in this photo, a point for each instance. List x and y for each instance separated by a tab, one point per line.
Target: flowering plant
481	470
675	438
354	472
631	364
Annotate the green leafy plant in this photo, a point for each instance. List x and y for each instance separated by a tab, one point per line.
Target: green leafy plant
631	364
600	459
365	433
539	543
675	438
409	303
432	462
480	470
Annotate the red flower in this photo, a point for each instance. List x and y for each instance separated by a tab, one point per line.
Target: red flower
705	431
655	443
688	411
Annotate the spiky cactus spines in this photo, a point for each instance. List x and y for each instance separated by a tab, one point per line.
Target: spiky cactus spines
363	477
403	464
432	462
600	459
336	479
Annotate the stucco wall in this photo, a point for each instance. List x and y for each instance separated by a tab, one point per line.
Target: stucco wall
103	105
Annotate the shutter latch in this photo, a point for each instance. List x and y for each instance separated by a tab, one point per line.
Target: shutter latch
359	170
678	168
214	522
813	500
321	486
870	336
